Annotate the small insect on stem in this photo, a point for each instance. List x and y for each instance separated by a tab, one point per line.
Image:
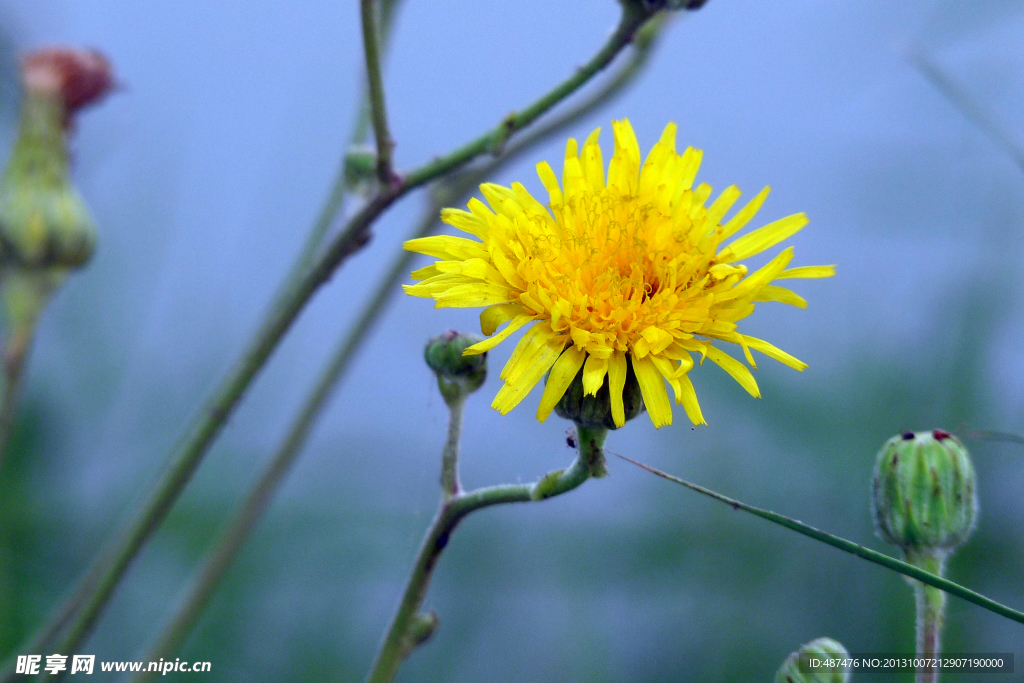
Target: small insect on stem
570	437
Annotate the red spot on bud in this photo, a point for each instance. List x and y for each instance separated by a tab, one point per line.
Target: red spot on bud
78	77
940	435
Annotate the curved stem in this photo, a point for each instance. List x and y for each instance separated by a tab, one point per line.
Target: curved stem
294	298
878	558
378	111
402	635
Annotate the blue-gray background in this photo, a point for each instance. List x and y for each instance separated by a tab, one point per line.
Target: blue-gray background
204	172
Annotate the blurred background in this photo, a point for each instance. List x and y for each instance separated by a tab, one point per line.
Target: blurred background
204	173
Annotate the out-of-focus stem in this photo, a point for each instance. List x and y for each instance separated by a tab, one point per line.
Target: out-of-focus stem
15	355
970	108
374	80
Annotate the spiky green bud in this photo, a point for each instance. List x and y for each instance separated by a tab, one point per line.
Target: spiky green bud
458	375
815	662
924	500
595	412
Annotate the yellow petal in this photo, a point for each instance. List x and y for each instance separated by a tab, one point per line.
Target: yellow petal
471	296
721	205
688	398
491	342
624	167
782	295
763	238
465	221
550	182
562	374
593	375
743	216
759	278
593	164
774	352
652	386
738	370
446	247
424	273
807	272
572	171
509	396
493	317
616	383
690	165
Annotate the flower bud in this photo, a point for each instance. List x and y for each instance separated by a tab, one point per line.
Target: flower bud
457	375
923	493
43	221
811	664
595	412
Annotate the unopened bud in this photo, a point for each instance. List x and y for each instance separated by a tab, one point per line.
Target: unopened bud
44	223
819	661
595	412
457	375
924	499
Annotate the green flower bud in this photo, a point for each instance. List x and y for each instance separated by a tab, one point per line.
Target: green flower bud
43	221
810	664
924	499
595	412
458	375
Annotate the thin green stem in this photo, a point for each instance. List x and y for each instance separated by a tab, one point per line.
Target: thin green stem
974	112
931	612
450	484
15	355
402	635
294	297
848	547
378	110
493	141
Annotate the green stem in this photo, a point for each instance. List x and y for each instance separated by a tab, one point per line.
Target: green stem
593	440
974	112
931	612
450	484
15	355
402	635
378	110
493	141
294	297
878	558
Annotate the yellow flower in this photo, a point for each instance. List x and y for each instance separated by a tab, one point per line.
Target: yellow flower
628	268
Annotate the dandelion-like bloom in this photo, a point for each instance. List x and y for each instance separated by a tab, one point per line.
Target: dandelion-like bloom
628	270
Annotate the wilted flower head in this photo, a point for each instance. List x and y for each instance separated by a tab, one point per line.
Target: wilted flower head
631	266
